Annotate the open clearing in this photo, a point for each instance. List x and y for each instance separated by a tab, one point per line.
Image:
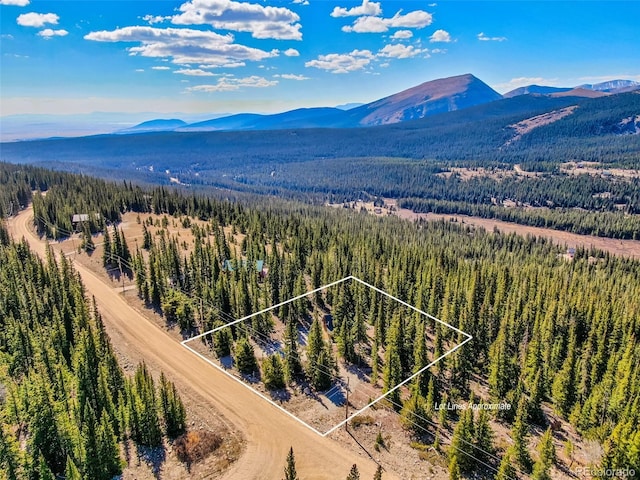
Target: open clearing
623	248
598	169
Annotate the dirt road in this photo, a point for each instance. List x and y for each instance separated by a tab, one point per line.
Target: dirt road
268	431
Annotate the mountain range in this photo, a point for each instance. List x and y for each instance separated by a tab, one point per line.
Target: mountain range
424	100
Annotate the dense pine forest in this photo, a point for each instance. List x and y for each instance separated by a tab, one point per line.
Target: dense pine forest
548	335
66	404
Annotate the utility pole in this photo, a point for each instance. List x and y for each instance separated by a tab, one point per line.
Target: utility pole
121	274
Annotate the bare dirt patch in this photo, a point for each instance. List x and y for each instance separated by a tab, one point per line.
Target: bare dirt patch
597	170
623	248
529	124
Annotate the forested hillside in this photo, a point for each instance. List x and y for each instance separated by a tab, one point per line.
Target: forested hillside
547	333
403	161
65	403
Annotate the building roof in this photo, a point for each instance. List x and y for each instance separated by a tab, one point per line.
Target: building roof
84	217
228	265
80	217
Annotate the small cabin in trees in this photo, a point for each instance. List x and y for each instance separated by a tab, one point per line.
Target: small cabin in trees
230	266
78	219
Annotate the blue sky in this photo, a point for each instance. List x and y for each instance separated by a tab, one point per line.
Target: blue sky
231	56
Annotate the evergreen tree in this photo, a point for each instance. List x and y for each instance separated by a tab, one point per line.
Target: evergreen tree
146	238
172	408
44	472
293	366
354	474
321	378
547	456
106	248
378	474
346	348
108	449
506	470
273	374
8	454
245	357
290	467
392	374
144	420
222	341
519	435
483	437
413	415
454	468
462	441
72	472
315	342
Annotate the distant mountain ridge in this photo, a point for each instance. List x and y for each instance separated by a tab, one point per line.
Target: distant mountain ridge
157	125
535	89
429	98
611	85
585	90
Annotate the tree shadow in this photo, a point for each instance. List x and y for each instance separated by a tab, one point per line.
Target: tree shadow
362	372
280	395
154	457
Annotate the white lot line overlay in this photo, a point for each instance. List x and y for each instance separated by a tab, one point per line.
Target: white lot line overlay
388	392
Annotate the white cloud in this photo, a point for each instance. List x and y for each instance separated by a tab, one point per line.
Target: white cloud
291	52
301	2
342	62
37	20
440	36
152	19
367	8
262	22
402	34
49	33
183	46
369	24
161	67
194	72
229	84
291	76
16	3
398	50
226	65
484	38
432	5
139	70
